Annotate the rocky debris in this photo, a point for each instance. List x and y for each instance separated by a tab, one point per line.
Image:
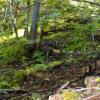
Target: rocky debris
56	97
91	92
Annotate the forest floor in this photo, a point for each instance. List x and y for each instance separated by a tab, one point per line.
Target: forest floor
48	82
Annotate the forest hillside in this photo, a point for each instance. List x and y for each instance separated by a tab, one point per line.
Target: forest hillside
45	44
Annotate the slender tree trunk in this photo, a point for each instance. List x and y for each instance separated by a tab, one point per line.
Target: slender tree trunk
35	16
13	19
40	36
27	18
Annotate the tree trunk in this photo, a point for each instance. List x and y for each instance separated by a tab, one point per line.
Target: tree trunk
27	18
35	16
13	19
40	36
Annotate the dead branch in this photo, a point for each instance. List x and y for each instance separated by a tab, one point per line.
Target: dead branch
83	89
90	2
9	93
13	90
62	87
93	97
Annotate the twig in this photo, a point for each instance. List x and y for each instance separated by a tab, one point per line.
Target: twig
62	87
13	90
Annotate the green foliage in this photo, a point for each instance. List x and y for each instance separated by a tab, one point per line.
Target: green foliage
35	96
38	57
12	50
66	23
67	95
43	66
19	75
38	67
97	80
56	36
4	85
7	77
7	74
34	69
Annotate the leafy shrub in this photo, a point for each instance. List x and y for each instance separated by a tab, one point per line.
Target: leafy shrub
38	56
18	77
56	36
12	50
79	42
4	85
43	66
35	96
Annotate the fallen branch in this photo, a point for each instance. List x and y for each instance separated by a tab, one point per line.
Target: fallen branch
9	93
93	97
83	89
62	87
13	90
90	2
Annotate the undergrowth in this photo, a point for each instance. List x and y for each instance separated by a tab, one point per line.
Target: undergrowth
12	50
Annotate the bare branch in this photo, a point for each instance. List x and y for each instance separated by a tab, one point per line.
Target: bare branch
94	3
93	97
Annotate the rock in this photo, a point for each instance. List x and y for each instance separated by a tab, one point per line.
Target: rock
55	97
92	81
